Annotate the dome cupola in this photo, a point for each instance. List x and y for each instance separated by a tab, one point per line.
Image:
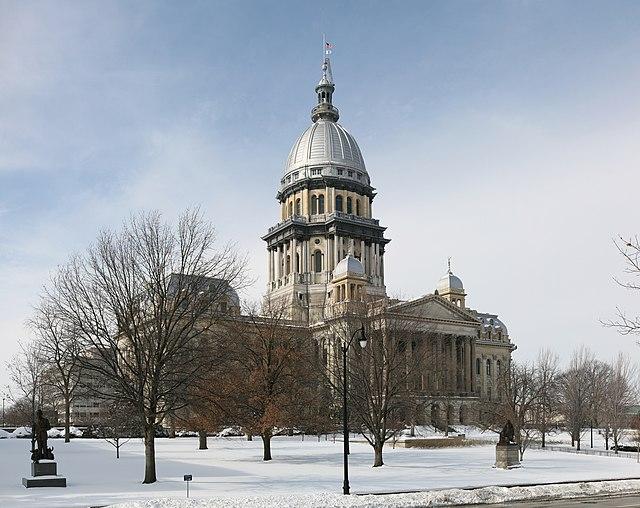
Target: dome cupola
450	287
326	149
349	266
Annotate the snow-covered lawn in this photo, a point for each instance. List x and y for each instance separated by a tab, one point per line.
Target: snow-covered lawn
232	467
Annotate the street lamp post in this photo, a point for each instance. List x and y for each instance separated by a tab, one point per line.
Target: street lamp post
345	414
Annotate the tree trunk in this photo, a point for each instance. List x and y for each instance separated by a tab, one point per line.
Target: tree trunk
202	438
543	438
117	448
377	449
578	443
606	438
266	445
67	418
249	437
149	453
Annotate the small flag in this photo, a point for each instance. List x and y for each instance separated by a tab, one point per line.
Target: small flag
328	47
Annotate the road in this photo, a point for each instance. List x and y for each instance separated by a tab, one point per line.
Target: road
631	501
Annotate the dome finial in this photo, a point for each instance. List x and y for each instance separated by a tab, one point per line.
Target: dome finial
449	264
325	88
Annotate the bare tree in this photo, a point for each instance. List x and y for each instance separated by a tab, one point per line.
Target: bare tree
60	351
381	376
575	393
620	395
268	383
522	393
26	371
546	370
598	375
630	251
144	302
118	423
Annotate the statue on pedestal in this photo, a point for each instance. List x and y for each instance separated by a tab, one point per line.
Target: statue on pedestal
40	427
507	450
507	434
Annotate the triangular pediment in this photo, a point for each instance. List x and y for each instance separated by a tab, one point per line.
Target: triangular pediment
433	307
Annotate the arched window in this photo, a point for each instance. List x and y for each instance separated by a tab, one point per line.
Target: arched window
321	203
478	366
498	367
488	367
338	203
290	208
317	261
349	205
298	207
314	204
288	266
357	207
297	265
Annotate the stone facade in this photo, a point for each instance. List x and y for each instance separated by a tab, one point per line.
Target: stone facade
327	253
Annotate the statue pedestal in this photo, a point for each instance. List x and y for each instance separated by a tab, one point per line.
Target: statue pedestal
507	456
44	474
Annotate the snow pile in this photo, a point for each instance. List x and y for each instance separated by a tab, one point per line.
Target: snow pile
4	434
22	432
231	432
55	433
75	431
485	495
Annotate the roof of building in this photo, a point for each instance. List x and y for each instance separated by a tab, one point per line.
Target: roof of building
325	143
450	283
349	266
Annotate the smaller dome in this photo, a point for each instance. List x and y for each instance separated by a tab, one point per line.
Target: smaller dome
450	283
349	266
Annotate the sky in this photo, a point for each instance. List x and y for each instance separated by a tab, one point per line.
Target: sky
502	134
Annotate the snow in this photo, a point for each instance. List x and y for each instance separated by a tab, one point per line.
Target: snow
4	434
412	500
22	432
53	433
232	469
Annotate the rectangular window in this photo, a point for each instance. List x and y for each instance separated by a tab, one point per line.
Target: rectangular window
340	172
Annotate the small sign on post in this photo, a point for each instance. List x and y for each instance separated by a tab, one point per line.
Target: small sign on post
188	478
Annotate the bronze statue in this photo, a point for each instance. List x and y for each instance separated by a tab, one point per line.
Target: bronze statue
40	428
507	435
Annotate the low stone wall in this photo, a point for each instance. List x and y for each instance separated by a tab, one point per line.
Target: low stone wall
440	442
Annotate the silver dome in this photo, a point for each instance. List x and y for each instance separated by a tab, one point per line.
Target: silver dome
450	283
349	266
325	143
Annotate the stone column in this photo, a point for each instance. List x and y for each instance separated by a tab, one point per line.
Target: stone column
469	364
305	256
270	263
336	241
294	252
454	366
285	252
473	364
278	262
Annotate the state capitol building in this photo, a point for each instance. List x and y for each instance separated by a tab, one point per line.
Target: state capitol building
327	253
